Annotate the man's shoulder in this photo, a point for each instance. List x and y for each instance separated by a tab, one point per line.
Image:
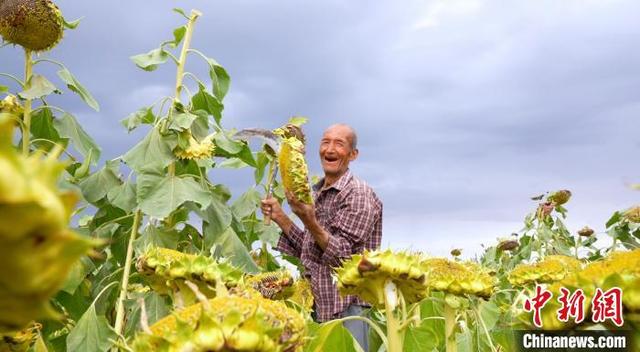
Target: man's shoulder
359	187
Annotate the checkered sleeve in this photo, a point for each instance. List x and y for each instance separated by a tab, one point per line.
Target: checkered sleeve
351	226
291	242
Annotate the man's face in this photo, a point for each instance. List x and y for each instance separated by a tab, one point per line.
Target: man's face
336	151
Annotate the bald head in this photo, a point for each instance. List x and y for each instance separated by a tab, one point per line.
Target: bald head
348	130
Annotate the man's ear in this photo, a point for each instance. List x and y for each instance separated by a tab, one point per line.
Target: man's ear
354	155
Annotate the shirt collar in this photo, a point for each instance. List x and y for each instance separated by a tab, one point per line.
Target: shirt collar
339	185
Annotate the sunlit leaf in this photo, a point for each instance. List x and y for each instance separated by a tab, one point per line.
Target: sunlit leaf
181	11
142	116
43	131
75	86
157	237
159	195
421	338
68	127
178	34
153	152
217	215
298	120
150	60
3	89
220	79
233	163
92	333
40	87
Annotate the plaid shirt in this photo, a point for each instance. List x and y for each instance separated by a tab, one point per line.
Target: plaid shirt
352	214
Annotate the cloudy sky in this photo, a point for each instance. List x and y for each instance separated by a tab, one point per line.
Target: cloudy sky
464	108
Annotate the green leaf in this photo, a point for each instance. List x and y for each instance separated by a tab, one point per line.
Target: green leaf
78	272
269	234
142	116
156	307
68	127
154	152
217	216
332	336
96	186
207	102
421	338
39	87
181	11
92	333
614	219
178	35
489	313
150	60
233	163
298	120
227	144
159	195
72	24
247	203
220	79
3	89
123	196
42	128
261	163
181	121
157	237
228	245
75	86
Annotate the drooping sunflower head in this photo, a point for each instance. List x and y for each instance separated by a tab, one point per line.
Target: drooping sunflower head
293	166
34	24
559	197
227	324
553	268
366	274
632	214
466	278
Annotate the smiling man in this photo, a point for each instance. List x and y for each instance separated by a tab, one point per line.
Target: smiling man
346	218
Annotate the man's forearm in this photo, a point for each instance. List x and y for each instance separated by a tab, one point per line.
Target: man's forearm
319	233
284	222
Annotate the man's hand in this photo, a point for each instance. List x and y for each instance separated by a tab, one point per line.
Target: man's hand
306	212
271	207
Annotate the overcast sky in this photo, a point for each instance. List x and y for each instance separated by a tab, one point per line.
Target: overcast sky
464	109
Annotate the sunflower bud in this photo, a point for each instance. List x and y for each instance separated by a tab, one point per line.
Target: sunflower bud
585	232
196	150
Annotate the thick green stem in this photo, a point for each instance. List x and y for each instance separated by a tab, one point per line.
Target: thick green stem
119	325
394	336
180	70
450	328
26	125
183	53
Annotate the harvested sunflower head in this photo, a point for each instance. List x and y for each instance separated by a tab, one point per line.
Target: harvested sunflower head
553	268
227	324
167	270
272	285
34	24
302	294
293	166
37	248
196	150
466	278
365	275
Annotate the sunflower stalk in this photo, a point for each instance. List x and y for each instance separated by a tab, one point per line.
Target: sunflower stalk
394	335
180	70
119	324
450	328
26	125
